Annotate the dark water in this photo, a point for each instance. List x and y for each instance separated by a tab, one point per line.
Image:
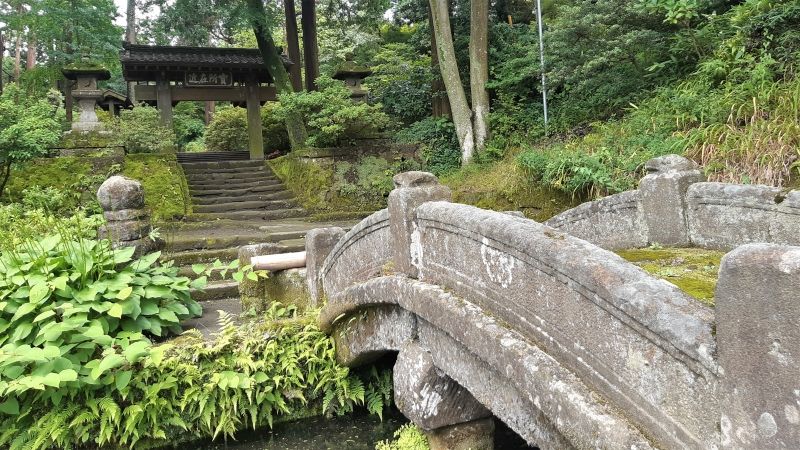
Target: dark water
353	432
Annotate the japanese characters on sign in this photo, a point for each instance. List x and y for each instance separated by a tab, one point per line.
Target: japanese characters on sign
221	79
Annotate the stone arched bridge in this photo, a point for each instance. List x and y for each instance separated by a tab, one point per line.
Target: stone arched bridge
568	344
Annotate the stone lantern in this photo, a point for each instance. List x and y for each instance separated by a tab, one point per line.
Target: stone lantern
353	74
86	93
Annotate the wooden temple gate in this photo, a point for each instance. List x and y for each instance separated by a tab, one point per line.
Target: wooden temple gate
165	75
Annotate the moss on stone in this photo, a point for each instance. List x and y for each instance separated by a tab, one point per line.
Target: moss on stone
693	270
311	183
166	191
503	186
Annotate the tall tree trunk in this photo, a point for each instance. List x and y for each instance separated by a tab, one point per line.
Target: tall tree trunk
439	102
310	47
2	52
30	60
462	114
130	37
294	122
17	56
293	44
479	70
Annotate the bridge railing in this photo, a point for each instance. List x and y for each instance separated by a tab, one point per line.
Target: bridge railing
684	374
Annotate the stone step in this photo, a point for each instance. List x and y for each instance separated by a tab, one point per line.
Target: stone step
216	165
184	157
217	199
207	191
292	245
211	176
253	215
189	243
233	184
208	323
270	205
192	169
215	275
216	290
278	236
205	256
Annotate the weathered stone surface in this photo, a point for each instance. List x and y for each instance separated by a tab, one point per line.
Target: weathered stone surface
758	311
723	216
477	435
361	254
670	163
287	287
125	214
118	193
377	331
124	230
143	246
253	293
639	341
613	222
427	396
411	190
663	198
319	244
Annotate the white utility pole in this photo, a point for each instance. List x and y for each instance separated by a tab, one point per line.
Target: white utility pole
541	59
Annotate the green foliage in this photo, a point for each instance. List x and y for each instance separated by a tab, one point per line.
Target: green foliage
227	131
332	116
736	115
188	122
400	82
28	126
309	182
408	437
140	131
22	222
246	377
274	128
60	184
72	311
166	191
438	141
369	181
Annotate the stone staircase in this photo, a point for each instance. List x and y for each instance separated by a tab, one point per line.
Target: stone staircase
237	190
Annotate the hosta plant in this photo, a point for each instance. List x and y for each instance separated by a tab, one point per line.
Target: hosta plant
75	315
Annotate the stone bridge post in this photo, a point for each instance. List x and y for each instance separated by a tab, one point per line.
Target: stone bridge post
758	340
411	189
449	414
663	194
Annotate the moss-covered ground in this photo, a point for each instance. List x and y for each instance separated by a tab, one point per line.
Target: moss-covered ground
693	270
504	186
166	191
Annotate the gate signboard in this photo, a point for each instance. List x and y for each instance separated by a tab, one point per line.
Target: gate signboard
208	79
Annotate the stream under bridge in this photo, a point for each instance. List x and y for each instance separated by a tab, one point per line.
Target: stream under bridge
494	315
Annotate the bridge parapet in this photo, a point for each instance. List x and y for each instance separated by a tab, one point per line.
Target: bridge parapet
566	342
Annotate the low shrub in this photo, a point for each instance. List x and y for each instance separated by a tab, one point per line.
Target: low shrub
20	223
246	377
227	131
437	137
188	122
332	118
139	130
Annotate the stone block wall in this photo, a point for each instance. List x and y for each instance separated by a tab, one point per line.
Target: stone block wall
566	342
675	207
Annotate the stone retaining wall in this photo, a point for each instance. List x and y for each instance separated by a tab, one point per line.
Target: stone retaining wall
566	342
674	207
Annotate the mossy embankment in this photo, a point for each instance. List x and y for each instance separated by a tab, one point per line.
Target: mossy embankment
78	177
693	270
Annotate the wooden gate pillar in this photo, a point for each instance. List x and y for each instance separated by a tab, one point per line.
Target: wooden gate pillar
256	144
164	101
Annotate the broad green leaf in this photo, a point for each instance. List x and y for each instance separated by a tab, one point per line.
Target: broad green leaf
168	315
199	283
145	261
149	307
123	255
107	363
198	268
122	379
67	375
38	293
52	380
44	315
136	350
115	311
124	293
10	407
24	309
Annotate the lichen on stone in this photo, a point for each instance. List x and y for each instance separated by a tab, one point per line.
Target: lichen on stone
693	270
